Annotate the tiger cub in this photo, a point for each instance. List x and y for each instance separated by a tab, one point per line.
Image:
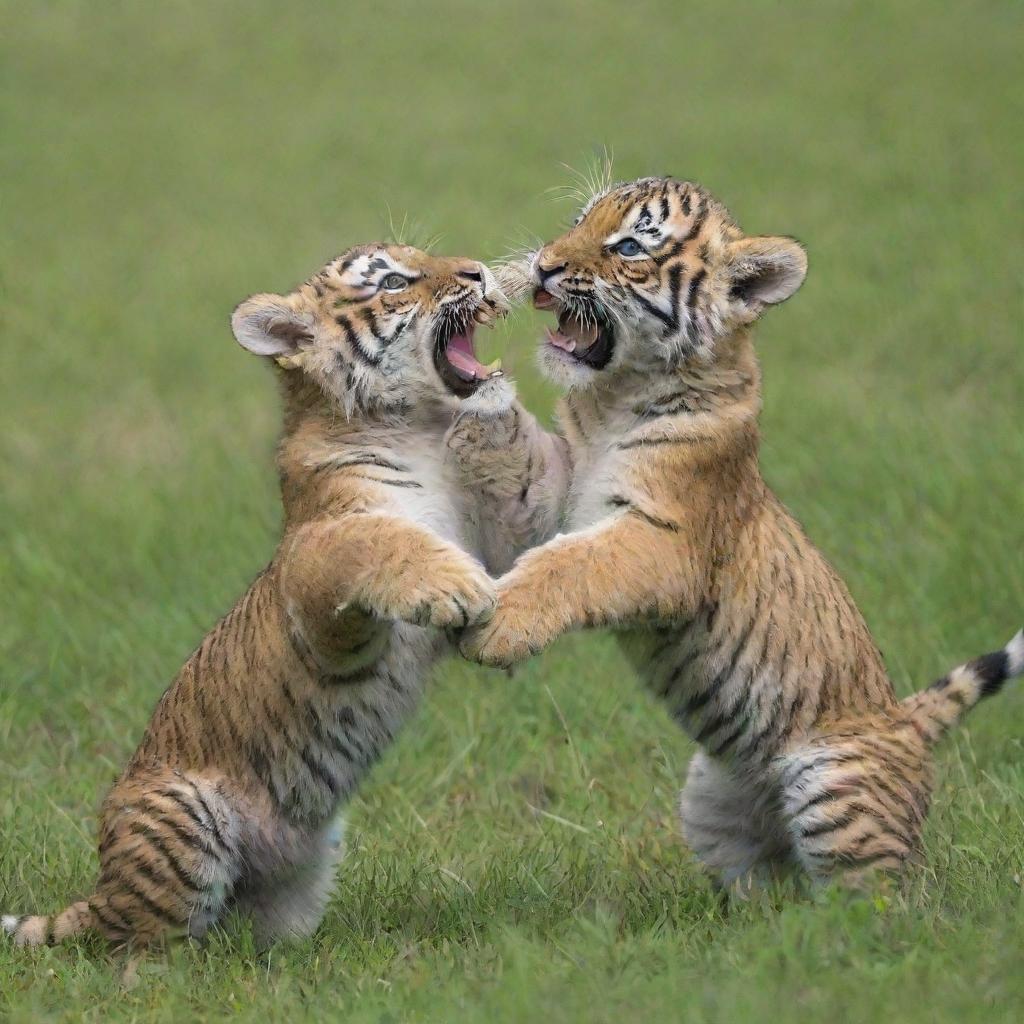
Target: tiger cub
730	614
233	796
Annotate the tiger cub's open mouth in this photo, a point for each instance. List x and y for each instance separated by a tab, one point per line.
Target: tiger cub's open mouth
587	338
454	352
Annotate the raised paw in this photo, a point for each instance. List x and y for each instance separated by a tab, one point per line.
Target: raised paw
451	595
513	633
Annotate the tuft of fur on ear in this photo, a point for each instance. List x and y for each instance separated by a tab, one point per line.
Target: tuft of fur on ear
766	270
272	325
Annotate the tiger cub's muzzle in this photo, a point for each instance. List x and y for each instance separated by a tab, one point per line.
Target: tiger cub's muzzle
454	351
584	334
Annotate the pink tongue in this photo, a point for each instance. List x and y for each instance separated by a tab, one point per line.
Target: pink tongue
460	354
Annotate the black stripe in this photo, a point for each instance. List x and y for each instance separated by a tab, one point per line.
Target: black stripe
367	459
213	819
693	286
662	405
277	724
249	627
183	834
321	734
845	819
154	908
660	524
261	769
851	860
821	798
122	929
670	253
851	815
992	671
137	864
362	353
721	746
670	320
719	720
317	770
697	700
643	442
956	697
698	223
302	652
289	696
827	760
618	501
370	319
156	841
195	816
529	478
906	797
386	482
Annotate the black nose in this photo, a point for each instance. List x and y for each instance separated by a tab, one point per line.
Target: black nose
545	272
471	275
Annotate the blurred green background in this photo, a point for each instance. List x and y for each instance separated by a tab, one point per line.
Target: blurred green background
516	854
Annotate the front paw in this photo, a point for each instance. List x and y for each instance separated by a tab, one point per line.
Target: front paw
454	595
511	635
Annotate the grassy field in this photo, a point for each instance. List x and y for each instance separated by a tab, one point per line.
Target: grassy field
515	856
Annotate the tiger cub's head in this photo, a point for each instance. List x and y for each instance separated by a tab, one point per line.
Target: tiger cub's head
381	327
654	274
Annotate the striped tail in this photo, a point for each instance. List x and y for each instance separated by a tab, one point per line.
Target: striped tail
36	930
945	702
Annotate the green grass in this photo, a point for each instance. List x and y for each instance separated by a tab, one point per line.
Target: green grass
515	857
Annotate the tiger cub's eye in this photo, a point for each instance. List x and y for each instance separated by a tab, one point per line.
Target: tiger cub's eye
628	247
394	283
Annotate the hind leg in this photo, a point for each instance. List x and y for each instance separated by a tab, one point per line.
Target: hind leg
731	827
855	802
169	857
290	903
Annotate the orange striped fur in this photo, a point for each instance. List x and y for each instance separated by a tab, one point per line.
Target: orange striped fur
730	614
233	796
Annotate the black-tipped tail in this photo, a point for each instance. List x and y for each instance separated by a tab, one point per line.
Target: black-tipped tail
946	701
39	930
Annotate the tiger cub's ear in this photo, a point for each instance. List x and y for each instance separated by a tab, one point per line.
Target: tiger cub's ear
765	270
272	325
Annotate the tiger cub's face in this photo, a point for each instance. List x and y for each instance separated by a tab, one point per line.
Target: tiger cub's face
381	327
653	274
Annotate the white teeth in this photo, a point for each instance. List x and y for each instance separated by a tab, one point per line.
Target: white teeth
493	368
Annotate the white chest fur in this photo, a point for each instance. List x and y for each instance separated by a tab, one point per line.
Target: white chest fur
434	502
599	470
